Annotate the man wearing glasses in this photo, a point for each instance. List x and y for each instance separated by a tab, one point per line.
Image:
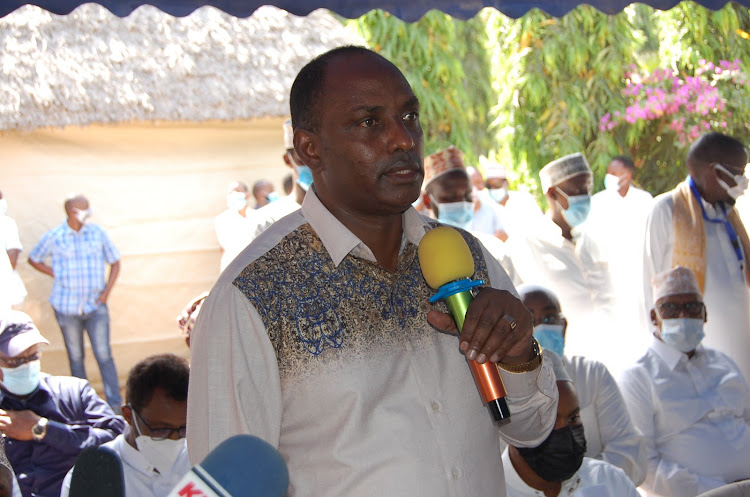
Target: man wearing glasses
696	225
689	401
152	449
47	420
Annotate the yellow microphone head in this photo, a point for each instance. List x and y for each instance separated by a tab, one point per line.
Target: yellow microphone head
444	257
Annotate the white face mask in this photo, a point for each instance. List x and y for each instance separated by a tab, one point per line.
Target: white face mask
3	206
498	194
738	189
236	201
684	334
23	379
611	182
162	454
83	215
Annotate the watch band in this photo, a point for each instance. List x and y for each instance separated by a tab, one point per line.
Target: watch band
527	366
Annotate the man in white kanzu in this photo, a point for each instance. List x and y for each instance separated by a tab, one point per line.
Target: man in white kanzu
320	337
559	253
697	226
690	402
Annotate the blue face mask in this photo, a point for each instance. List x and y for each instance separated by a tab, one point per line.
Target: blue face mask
458	214
272	197
22	380
305	177
550	336
684	334
578	209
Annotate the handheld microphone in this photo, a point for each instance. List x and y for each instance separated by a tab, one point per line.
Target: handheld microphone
240	466
447	266
98	471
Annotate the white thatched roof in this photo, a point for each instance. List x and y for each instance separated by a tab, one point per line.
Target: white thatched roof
93	67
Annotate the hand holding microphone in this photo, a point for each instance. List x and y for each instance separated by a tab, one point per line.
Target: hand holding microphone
493	325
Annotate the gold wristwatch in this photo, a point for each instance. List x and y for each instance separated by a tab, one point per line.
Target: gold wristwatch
527	366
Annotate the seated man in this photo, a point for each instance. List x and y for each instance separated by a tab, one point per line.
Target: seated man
48	420
691	402
558	466
153	450
610	434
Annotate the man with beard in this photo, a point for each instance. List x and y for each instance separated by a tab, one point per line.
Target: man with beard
320	338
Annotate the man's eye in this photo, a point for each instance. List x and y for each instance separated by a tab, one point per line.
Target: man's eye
412	116
368	123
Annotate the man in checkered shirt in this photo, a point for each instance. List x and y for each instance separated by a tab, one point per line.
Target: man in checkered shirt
78	252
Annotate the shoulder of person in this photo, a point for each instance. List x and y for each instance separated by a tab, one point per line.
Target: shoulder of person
604	472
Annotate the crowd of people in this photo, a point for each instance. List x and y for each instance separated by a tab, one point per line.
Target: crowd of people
619	323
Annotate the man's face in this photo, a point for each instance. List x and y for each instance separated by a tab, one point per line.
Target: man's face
367	156
544	310
495	183
161	414
448	188
33	353
617	168
76	205
707	176
686	305
577	185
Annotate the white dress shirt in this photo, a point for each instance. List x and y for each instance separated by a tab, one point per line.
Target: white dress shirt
593	479
359	393
726	293
610	434
694	414
619	225
141	477
234	232
12	290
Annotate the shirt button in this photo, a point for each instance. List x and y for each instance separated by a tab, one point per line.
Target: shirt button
456	473
436	406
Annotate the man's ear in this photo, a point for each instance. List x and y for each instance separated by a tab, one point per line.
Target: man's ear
565	327
654	319
426	200
307	147
287	160
127	413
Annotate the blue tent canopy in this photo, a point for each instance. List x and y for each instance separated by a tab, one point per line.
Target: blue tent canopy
408	10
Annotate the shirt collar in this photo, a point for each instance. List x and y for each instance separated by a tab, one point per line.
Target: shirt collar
668	354
339	241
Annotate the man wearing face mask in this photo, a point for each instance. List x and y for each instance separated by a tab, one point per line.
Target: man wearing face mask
610	434
448	194
691	402
516	208
697	225
48	420
557	250
235	227
79	252
153	450
558	466
302	180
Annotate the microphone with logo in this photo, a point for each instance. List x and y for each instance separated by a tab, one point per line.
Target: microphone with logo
240	466
447	266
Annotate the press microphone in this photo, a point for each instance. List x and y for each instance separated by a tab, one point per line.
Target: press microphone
97	471
240	466
447	266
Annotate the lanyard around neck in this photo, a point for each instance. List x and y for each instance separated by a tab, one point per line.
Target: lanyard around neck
727	225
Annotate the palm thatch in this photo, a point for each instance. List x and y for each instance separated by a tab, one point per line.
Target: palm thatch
93	67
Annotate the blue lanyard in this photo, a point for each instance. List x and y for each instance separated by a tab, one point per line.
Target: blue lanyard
730	231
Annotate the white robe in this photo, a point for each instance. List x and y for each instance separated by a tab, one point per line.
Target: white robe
726	293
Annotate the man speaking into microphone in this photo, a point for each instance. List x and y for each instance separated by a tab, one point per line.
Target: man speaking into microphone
320	337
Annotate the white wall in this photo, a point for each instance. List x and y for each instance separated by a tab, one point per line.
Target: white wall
156	189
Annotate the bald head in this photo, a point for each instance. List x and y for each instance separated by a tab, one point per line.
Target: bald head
75	201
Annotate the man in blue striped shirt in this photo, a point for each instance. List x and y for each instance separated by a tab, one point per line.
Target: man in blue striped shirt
78	253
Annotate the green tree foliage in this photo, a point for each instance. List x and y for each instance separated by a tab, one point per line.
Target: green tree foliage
525	91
